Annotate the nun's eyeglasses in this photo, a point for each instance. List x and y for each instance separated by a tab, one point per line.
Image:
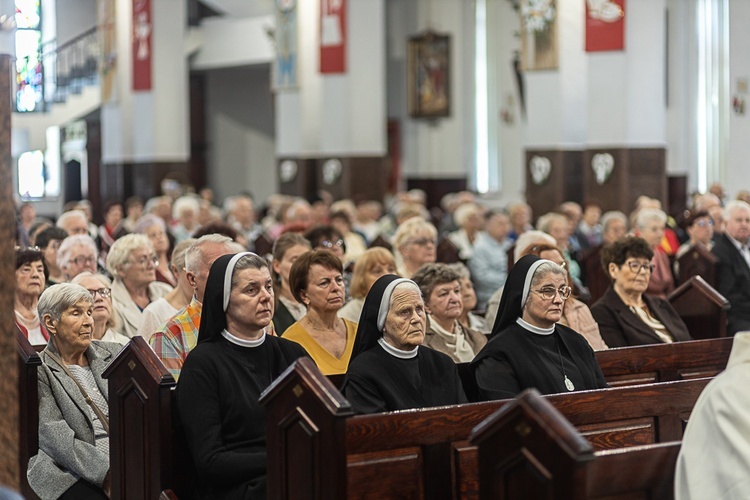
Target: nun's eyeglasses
548	293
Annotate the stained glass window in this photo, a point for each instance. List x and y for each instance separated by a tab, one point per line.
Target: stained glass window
28	64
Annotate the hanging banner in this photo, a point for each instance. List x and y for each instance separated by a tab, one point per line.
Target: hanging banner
332	36
142	30
605	25
285	65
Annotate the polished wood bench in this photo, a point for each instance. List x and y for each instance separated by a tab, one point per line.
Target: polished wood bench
28	408
528	449
425	453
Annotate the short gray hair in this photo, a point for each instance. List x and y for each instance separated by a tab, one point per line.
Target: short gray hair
648	215
733	206
194	256
250	261
58	298
546	220
610	216
546	268
146	221
188	201
121	249
114	319
408	228
69	243
70	214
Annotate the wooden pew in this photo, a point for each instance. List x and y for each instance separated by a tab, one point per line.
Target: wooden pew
447	252
28	411
701	307
698	261
529	450
425	453
145	458
664	362
594	276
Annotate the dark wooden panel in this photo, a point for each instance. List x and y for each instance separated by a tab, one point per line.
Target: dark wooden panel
392	474
562	184
437	188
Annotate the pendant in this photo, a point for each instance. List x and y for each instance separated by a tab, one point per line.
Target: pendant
569	385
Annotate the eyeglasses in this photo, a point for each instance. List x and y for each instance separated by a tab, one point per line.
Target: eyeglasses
103	292
143	261
638	266
548	293
331	244
704	223
422	242
79	261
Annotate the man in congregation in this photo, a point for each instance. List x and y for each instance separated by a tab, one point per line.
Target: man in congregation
73	222
180	334
733	268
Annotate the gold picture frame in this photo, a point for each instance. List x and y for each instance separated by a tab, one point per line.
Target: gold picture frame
428	74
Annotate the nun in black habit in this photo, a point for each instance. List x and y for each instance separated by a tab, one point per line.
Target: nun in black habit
223	377
527	348
390	370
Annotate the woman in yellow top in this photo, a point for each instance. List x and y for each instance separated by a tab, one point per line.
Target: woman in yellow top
316	280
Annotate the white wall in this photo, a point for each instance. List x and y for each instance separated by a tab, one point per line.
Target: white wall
242	152
337	114
73	18
736	176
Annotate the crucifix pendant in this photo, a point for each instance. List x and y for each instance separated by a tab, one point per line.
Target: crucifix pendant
568	384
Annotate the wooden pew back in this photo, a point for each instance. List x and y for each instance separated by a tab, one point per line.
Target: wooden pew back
528	449
425	453
701	307
698	261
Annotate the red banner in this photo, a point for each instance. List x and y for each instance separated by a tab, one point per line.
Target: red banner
142	31
332	36
605	25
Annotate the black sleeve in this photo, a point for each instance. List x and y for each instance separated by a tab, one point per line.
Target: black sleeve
496	379
363	395
609	327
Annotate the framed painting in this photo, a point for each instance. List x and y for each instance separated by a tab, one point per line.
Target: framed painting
428	74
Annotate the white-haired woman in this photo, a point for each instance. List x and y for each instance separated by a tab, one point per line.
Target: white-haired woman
468	218
159	311
132	262
73	458
105	322
414	245
650	224
185	212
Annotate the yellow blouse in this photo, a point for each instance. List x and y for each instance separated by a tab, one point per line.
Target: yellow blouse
327	363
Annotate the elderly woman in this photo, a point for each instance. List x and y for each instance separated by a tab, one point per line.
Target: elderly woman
441	289
558	226
468	298
132	262
316	281
159	311
31	275
224	376
649	225
286	250
468	218
528	348
76	254
73	458
156	230
626	316
414	244
700	229
373	264
105	323
575	314
391	369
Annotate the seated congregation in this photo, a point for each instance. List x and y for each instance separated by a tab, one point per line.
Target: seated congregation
412	310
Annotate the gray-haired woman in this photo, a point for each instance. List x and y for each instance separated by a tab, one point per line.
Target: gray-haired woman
73	458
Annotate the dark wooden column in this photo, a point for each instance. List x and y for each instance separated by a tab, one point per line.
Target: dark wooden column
9	423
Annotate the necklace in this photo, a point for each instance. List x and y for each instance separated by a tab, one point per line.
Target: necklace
568	383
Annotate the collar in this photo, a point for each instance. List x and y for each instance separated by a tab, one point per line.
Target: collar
242	342
737	244
397	353
535	329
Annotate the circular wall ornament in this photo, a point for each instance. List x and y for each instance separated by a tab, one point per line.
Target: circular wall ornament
602	164
332	170
288	170
540	168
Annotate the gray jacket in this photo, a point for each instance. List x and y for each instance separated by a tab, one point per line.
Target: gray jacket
66	430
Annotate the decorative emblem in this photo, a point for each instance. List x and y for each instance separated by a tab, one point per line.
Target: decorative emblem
332	170
540	168
602	164
288	170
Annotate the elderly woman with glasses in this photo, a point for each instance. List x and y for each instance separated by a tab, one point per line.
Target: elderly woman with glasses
132	262
414	245
76	254
105	323
73	457
625	314
31	275
528	347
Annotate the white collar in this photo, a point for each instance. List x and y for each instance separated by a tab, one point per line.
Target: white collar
535	329
397	353
242	342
